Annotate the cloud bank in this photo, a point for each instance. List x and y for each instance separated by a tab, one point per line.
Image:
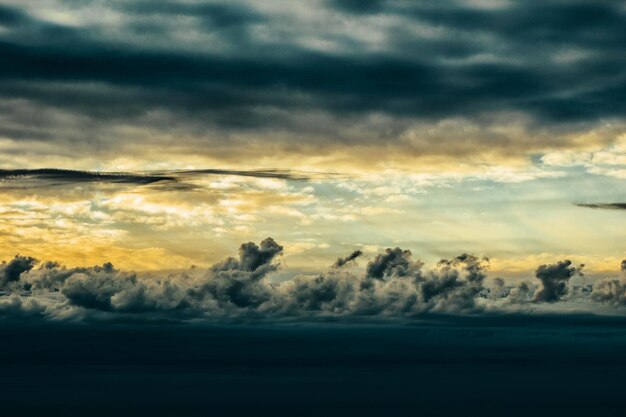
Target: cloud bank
392	285
452	79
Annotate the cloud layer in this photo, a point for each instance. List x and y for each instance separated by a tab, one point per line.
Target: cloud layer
225	78
393	285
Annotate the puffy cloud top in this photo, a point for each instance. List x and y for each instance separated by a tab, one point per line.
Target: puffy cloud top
392	285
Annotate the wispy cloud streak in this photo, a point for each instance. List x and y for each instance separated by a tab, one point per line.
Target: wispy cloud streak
174	179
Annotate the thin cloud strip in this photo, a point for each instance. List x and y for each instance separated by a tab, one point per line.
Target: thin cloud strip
603	206
174	179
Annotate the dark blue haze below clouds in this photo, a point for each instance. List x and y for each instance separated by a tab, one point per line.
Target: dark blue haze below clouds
514	366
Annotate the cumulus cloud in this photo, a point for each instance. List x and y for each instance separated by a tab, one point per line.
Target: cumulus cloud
554	279
611	291
12	271
393	284
238	281
393	263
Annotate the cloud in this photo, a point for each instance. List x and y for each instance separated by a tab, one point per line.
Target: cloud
162	180
239	75
358	6
346	260
63	176
603	206
393	263
238	281
554	279
268	173
12	271
307	78
12	17
393	285
233	283
611	291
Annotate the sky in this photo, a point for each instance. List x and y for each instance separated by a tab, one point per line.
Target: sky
162	137
319	207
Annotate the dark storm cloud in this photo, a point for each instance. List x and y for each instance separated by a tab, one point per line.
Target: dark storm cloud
393	263
237	281
556	61
12	271
554	279
252	257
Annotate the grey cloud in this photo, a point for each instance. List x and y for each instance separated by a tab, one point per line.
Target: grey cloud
358	6
238	282
253	259
498	289
12	271
603	206
346	260
233	283
522	293
95	291
11	17
554	279
106	289
331	292
61	176
392	285
266	173
393	263
611	291
220	15
560	63
161	180
453	288
18	307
